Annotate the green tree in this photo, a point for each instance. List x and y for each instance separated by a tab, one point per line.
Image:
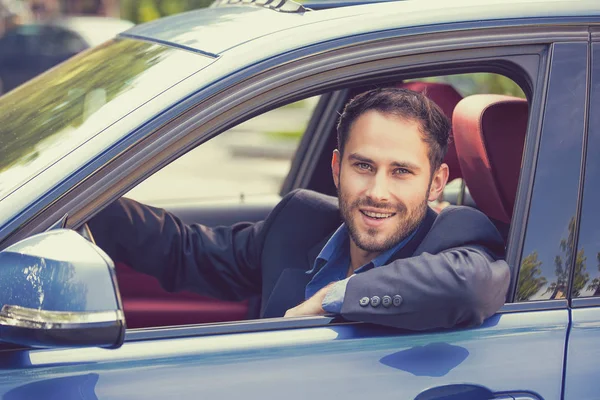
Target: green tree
140	11
54	102
530	279
559	287
595	284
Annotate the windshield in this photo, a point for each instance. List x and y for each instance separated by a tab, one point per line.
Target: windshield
45	119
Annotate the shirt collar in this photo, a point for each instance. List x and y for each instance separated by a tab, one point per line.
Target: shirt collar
339	242
386	255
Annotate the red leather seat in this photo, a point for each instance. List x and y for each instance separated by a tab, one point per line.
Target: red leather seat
446	97
489	131
146	304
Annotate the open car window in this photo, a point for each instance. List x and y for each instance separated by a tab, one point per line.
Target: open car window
225	180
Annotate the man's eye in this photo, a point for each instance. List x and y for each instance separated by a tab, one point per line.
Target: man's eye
363	166
401	171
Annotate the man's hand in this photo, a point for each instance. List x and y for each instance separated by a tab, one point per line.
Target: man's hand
312	306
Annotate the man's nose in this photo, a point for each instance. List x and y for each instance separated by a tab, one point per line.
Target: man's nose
379	190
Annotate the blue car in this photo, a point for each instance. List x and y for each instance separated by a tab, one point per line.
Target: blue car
95	127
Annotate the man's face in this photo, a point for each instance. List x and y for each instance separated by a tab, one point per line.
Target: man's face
384	180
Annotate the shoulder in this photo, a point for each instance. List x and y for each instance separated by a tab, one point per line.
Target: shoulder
466	217
311	200
306	209
300	220
460	226
306	203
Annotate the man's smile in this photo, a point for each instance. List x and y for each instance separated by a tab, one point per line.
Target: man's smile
377	215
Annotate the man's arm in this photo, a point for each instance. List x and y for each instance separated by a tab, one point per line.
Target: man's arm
456	277
222	262
461	286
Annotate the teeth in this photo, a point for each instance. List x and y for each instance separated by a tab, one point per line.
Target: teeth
377	215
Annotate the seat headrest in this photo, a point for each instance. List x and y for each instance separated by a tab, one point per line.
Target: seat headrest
489	131
446	97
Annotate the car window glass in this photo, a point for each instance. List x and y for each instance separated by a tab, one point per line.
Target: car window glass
586	281
250	160
79	99
549	249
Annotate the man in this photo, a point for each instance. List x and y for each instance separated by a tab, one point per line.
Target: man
382	257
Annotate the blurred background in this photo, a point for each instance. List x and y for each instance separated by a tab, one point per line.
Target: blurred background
36	35
15	12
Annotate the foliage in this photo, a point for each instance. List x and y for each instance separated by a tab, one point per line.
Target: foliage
56	102
595	284
286	135
559	287
140	11
530	281
468	84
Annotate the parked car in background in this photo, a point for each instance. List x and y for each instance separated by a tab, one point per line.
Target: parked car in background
30	49
167	93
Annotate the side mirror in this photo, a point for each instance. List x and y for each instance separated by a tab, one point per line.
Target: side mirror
58	289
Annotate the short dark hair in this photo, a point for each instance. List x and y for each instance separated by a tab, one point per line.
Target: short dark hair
403	103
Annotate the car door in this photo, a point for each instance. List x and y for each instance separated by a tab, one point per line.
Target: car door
518	353
580	382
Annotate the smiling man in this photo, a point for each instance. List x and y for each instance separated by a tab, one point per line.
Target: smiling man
381	256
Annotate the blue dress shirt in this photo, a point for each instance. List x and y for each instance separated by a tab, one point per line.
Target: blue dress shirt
332	265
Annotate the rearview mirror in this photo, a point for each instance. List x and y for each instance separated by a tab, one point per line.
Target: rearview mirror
57	289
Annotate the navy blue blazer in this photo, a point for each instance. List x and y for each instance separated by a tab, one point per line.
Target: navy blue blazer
450	273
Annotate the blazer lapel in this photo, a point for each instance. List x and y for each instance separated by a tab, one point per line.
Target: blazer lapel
291	286
287	293
409	249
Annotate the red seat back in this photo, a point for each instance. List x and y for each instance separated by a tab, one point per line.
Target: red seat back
489	132
147	304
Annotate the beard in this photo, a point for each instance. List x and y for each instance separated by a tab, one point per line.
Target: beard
367	240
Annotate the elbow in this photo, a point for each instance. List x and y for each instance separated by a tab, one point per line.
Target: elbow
487	295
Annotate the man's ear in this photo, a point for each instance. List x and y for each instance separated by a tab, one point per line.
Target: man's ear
336	160
438	182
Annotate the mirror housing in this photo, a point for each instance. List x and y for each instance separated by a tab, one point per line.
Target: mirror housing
57	289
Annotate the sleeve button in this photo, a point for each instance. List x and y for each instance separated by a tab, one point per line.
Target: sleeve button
375	301
397	300
386	301
364	302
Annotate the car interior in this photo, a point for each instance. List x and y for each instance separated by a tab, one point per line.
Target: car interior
485	157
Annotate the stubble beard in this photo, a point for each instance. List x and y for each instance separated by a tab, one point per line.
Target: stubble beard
408	221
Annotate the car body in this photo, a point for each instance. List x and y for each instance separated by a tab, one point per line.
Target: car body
87	132
30	49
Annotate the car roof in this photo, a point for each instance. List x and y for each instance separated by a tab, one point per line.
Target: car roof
324	4
217	29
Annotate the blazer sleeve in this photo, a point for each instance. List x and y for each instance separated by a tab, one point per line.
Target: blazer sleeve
457	287
221	262
456	277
